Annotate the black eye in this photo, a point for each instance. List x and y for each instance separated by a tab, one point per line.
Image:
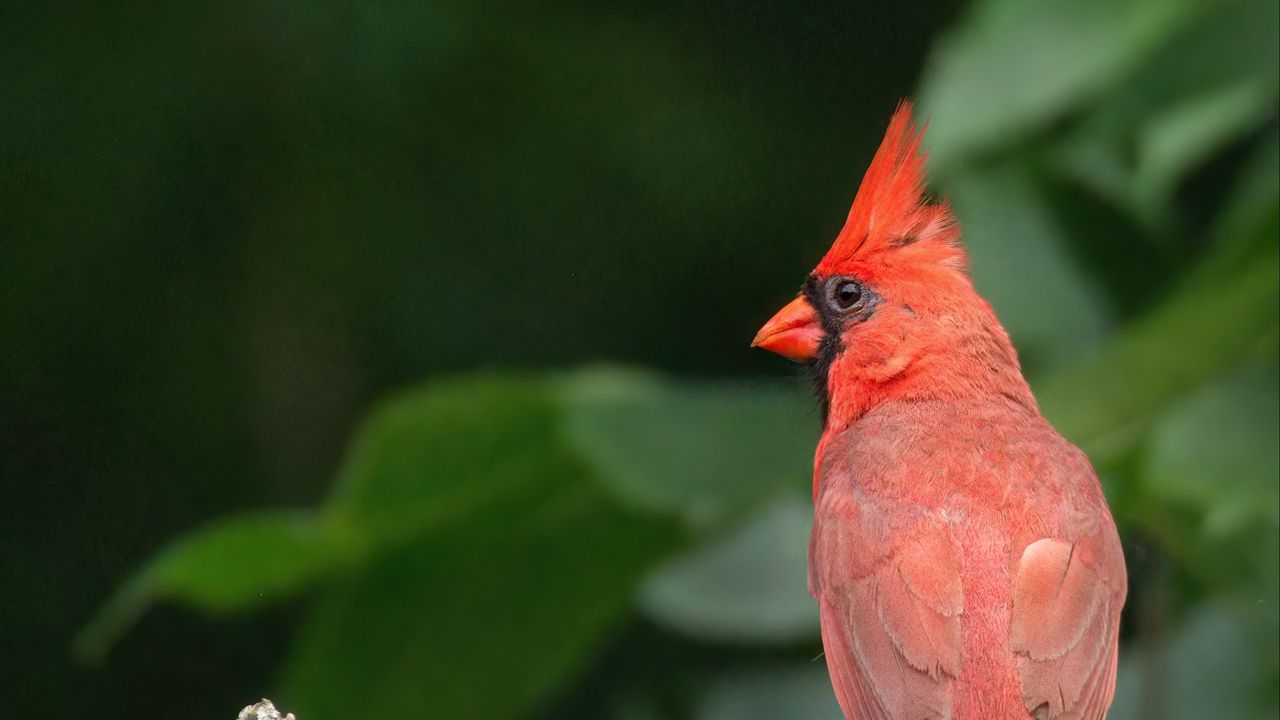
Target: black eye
846	294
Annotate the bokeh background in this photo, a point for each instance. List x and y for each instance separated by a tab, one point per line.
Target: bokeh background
390	359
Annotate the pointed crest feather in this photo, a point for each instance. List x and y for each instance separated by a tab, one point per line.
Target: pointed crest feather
890	210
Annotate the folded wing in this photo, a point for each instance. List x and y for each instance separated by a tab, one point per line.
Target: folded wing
1065	623
890	618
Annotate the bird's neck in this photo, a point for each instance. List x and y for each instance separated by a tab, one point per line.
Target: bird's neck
973	364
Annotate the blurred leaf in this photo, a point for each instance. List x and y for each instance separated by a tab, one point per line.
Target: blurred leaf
1232	42
1250	219
748	585
1209	83
1183	136
790	693
1113	172
1020	264
1127	261
1104	402
1208	483
482	621
699	450
502	557
1218	452
1012	66
440	454
429	459
1207	670
494	527
232	565
632	706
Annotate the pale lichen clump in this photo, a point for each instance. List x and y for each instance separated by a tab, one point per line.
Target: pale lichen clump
264	710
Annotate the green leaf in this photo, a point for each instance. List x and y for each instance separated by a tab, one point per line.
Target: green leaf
1020	264
1012	66
747	585
232	565
490	526
1208	482
439	454
481	621
800	692
1208	669
1233	42
498	554
700	450
1210	83
1178	139
1250	220
1216	451
1105	402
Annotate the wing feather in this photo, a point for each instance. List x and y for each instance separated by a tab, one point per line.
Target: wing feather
1064	624
890	620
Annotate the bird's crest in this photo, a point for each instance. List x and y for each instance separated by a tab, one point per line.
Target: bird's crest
890	211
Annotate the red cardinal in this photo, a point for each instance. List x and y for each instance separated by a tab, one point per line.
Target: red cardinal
963	557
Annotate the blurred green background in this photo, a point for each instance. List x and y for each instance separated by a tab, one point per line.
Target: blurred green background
390	358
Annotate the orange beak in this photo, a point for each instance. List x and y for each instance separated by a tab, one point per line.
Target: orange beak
793	333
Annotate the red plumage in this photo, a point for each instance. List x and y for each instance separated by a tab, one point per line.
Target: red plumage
963	557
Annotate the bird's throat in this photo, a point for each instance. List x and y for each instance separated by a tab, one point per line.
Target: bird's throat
985	368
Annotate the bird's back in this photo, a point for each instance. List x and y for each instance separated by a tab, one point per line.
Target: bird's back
965	566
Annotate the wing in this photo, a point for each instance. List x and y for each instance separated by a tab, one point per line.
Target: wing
890	618
1065	623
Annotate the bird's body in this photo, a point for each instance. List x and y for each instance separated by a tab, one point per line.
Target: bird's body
921	523
963	558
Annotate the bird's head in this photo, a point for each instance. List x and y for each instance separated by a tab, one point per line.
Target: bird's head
890	311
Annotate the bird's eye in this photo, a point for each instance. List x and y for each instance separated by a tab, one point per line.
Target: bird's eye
846	294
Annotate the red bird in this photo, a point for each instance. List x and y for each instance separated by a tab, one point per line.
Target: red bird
963	557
